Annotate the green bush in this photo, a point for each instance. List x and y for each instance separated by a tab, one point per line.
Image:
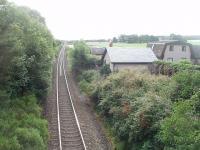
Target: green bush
196	102
29	139
169	68
105	70
87	80
27	50
21	125
188	82
181	130
147	112
81	59
89	76
133	104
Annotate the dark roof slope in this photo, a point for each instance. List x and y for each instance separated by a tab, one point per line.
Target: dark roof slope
157	49
97	51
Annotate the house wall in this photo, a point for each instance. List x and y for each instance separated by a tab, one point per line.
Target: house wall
128	66
107	61
138	67
177	53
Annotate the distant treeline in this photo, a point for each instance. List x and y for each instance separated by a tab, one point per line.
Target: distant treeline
95	40
151	38
134	38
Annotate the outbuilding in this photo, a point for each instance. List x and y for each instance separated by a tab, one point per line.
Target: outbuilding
97	51
128	58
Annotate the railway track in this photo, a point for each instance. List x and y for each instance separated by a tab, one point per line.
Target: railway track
67	134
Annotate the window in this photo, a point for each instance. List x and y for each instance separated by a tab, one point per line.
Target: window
171	48
170	59
183	48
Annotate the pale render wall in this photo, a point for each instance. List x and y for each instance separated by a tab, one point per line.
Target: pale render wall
115	67
138	67
107	61
177	53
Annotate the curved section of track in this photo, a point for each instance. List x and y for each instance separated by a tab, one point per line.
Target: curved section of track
67	133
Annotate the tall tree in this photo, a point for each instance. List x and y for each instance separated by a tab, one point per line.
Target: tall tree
26	48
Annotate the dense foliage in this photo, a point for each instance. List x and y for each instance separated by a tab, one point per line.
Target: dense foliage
21	126
26	52
81	58
105	70
181	130
133	104
26	48
177	37
170	68
148	112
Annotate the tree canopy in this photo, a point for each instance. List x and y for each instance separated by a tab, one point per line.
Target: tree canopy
136	39
26	52
26	48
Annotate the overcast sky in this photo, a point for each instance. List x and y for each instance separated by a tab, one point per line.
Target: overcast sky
94	19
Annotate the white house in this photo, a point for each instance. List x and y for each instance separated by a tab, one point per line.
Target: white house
171	50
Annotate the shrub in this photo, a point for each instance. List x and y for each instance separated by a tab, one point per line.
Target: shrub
196	102
181	130
146	112
21	125
105	70
30	139
86	80
133	104
81	60
187	83
169	68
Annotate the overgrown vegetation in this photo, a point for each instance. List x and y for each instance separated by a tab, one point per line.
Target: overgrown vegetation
21	126
80	58
170	68
27	49
181	129
148	112
133	105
